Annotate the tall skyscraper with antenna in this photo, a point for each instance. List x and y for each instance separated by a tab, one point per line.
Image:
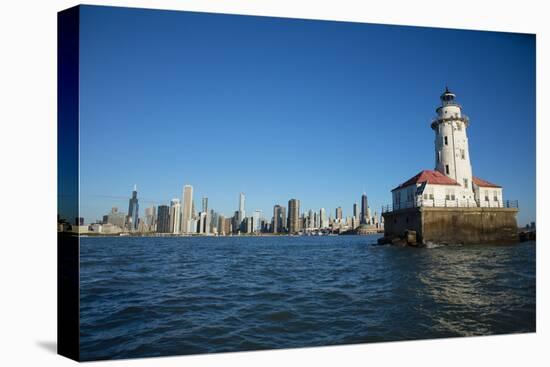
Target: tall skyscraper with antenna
133	211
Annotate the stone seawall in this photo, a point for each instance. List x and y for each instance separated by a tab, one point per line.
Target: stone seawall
454	225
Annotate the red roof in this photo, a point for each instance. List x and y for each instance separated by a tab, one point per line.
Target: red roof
430	177
482	183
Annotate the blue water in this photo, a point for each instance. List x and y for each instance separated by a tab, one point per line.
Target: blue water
162	296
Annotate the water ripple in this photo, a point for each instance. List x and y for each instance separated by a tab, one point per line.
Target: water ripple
160	296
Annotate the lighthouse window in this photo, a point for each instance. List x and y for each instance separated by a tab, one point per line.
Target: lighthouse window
462	154
466	183
459	126
446	141
447	169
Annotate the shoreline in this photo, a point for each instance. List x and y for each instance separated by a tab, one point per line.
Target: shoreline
212	236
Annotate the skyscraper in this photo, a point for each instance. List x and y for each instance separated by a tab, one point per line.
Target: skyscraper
293	216
279	219
242	212
163	219
150	218
364	207
175	216
356	213
316	220
323	218
116	218
202	223
221	224
187	209
133	210
213	221
339	213
256	215
204	204
235	224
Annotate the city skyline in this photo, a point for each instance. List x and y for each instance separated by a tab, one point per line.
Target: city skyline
319	117
179	205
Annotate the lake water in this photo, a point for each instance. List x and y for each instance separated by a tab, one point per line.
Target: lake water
153	296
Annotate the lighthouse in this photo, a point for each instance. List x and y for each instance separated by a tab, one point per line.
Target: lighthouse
448	204
452	156
451	183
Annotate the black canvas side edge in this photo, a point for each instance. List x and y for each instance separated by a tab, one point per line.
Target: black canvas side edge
68	303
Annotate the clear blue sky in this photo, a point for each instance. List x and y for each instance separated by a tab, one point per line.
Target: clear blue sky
281	108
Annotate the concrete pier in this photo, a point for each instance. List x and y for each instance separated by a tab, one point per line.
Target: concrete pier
453	225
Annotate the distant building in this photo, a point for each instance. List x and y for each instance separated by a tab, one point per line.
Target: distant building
204	204
201	225
356	212
235	223
163	219
213	221
364	207
115	218
221	224
227	226
338	213
246	225
310	220
193	225
293	216
316	220
175	216
323	218
187	209
150	218
133	211
278	219
242	211
256	225
96	228
109	228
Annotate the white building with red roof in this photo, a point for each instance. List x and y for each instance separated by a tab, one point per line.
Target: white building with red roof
451	184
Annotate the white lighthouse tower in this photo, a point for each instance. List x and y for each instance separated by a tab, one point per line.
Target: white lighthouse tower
448	204
451	184
452	156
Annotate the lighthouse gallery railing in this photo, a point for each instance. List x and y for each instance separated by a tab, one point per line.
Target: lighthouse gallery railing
442	203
